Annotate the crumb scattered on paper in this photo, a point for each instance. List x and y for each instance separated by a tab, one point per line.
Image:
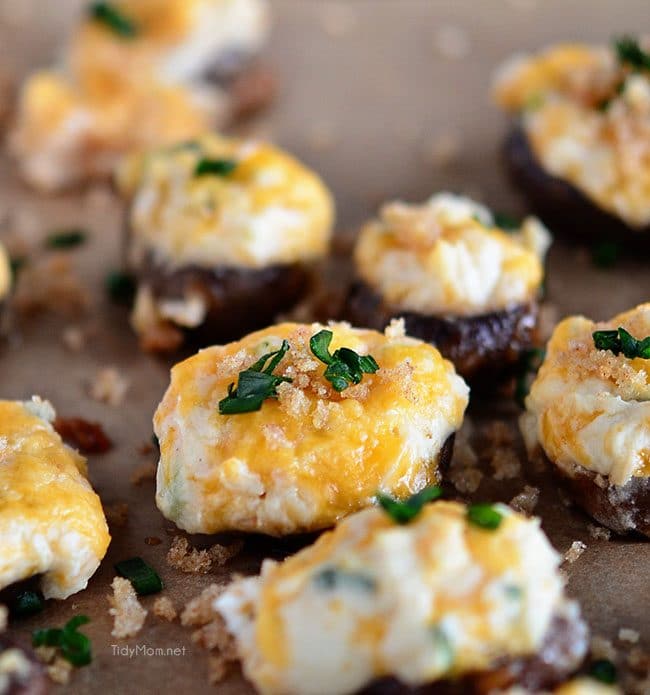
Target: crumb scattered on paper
164	608
575	551
109	386
183	557
525	501
128	614
143	473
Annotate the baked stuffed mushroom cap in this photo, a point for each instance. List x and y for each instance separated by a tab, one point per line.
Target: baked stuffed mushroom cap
311	454
589	410
459	280
222	234
135	75
51	521
579	147
436	599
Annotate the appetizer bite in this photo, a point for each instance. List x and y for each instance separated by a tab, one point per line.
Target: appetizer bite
471	596
136	74
296	426
589	410
222	236
579	148
459	280
51	521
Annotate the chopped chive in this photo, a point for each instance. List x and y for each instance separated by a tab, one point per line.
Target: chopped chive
215	167
603	671
16	265
443	646
255	384
67	239
145	580
332	578
345	366
112	17
404	511
630	53
75	646
484	515
120	287
621	341
606	254
506	222
27	603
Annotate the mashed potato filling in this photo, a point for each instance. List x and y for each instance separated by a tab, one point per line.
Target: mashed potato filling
589	406
312	455
51	521
433	599
587	119
269	209
447	257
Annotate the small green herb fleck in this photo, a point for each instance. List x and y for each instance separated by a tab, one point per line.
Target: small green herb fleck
630	53
606	254
506	222
345	366
333	578
620	341
484	515
529	363
534	102
112	17
513	591
402	512
75	646
603	671
66	239
255	384
215	167
16	265
443	647
120	287
145	580
27	603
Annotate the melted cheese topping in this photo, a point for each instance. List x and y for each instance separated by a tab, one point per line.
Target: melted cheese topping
114	94
311	456
5	273
51	521
270	210
447	257
433	599
587	119
591	407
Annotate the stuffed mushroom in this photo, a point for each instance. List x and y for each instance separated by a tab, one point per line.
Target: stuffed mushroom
296	426
223	235
459	281
579	150
135	75
467	599
51	521
589	410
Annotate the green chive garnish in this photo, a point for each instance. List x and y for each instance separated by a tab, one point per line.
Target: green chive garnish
112	17
16	265
120	287
605	254
27	603
484	515
332	578
67	239
506	222
345	366
145	580
603	671
75	646
630	53
402	512
620	341
215	167
255	384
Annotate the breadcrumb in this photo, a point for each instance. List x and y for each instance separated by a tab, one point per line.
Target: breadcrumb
599	532
395	329
625	634
526	501
117	514
60	670
465	479
199	610
164	608
144	472
109	386
575	551
505	463
602	648
193	561
128	614
74	338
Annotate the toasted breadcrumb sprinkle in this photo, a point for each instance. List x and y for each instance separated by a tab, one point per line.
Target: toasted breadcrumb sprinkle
505	463
74	338
396	329
163	607
60	670
128	614
625	634
199	610
4	617
109	386
599	532
465	479
525	501
182	557
143	473
117	514
602	648
574	552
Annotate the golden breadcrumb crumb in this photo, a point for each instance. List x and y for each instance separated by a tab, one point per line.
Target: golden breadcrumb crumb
164	608
128	614
505	463
200	610
525	501
117	514
109	386
74	338
575	551
143	473
602	648
181	556
625	634
599	532
60	670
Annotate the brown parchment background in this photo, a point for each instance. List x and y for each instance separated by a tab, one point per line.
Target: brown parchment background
366	97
